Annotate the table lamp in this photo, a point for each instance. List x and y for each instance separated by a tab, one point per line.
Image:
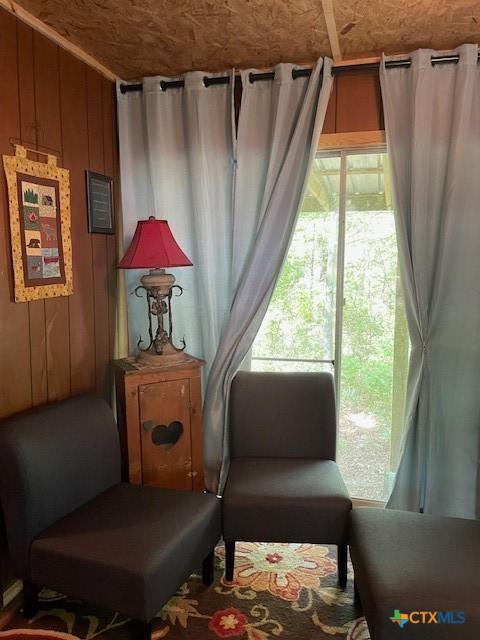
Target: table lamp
154	247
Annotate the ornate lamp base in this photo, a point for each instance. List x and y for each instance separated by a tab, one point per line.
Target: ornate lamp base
158	286
170	355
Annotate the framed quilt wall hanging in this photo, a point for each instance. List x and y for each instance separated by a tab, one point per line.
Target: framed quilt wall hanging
39	206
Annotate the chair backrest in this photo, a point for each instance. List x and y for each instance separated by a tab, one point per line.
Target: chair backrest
53	459
282	415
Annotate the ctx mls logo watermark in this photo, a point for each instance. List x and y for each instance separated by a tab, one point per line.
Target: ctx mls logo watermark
427	617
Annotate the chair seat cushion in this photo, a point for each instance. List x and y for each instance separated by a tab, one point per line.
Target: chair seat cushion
129	548
415	562
285	500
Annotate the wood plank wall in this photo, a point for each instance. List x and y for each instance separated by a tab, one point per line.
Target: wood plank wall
355	103
50	100
51	349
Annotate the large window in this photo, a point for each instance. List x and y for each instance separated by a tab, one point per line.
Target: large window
338	306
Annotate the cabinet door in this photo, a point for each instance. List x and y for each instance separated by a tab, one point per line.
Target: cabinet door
165	434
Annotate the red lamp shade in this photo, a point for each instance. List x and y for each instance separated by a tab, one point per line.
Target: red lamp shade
153	246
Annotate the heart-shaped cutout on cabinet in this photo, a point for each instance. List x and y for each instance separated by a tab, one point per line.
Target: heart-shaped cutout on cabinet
167	437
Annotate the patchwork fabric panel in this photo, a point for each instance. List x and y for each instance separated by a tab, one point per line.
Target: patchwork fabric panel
41	230
39	211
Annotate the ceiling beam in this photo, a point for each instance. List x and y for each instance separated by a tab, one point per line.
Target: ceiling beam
327	6
51	34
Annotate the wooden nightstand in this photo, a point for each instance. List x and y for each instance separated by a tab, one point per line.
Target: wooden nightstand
160	423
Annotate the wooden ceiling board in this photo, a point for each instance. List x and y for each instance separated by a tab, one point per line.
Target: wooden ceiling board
400	26
136	38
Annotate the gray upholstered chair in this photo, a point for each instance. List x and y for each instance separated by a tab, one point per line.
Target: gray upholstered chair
283	483
74	527
412	562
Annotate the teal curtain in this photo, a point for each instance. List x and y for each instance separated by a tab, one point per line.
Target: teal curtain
432	120
278	132
176	153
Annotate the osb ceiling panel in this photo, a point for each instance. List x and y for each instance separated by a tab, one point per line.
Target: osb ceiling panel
398	26
136	38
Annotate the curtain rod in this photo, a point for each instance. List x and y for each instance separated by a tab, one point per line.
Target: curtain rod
178	84
296	73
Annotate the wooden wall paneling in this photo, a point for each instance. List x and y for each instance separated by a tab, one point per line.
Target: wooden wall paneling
329	123
28	137
359	103
73	105
99	241
15	382
109	139
49	139
48	348
26	89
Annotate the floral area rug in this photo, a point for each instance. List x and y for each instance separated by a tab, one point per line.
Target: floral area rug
284	591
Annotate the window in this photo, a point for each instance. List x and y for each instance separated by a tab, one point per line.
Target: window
338	306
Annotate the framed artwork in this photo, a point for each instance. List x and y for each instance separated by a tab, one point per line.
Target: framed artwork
100	203
39	207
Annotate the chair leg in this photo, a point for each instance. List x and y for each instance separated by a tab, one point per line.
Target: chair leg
141	630
342	565
208	567
30	599
356	593
229	559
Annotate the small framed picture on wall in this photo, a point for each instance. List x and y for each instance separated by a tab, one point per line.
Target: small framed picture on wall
100	203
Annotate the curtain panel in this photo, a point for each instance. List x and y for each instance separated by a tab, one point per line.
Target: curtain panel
432	118
278	132
232	203
177	163
137	201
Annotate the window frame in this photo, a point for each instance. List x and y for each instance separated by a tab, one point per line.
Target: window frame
342	145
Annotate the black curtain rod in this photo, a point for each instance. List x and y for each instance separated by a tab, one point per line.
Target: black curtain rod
296	73
394	64
209	81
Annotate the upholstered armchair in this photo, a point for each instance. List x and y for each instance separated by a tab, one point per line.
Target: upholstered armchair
74	527
283	483
409	563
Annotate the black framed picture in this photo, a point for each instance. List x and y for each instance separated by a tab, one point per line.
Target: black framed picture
100	203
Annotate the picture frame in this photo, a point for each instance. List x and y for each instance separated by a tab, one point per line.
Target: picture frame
100	203
40	226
